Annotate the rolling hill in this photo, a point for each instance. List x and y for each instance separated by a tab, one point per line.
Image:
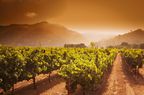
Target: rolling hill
39	34
133	37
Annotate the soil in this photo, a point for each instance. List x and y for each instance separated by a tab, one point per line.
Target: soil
122	82
56	86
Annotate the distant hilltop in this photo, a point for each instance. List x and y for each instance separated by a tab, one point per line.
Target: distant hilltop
133	37
39	34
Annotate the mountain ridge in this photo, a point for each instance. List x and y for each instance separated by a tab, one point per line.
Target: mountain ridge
42	33
132	37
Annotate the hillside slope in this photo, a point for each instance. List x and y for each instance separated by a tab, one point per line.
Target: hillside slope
43	33
133	37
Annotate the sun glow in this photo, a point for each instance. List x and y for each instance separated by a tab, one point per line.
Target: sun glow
97	34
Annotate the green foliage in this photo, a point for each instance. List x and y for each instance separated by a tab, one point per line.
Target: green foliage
87	67
17	64
135	58
82	66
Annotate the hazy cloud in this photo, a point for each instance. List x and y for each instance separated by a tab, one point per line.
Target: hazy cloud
29	11
31	14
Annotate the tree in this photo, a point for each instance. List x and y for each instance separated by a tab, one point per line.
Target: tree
93	44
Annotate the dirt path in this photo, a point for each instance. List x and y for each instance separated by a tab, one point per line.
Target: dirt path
120	83
117	82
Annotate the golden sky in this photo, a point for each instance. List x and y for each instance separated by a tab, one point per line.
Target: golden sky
76	14
103	14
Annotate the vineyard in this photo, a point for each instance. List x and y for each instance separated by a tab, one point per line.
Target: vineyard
134	58
77	66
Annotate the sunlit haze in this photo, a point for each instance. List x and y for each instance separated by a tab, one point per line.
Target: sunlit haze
97	34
